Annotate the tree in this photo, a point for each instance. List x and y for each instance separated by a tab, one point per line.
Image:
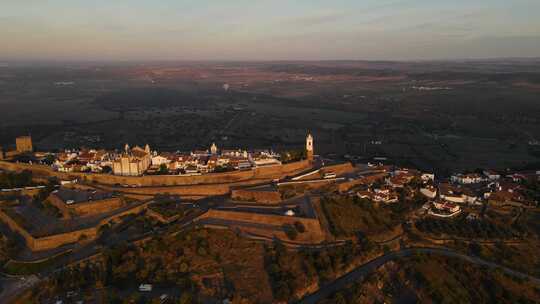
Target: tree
292	155
163	169
184	267
108	273
49	159
300	227
186	298
290	231
282	291
339	298
475	249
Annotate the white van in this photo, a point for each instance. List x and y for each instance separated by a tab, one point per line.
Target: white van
145	287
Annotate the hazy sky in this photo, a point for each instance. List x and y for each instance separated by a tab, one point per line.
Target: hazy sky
268	29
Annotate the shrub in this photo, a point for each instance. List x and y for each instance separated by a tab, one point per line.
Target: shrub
290	231
300	227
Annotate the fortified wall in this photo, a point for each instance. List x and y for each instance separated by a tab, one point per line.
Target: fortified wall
313	234
269	172
195	190
57	240
259	196
85	208
338	169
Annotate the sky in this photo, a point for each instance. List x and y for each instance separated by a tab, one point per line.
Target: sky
268	29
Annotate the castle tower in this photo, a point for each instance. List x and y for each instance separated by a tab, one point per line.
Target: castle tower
147	149
309	147
126	148
24	144
213	149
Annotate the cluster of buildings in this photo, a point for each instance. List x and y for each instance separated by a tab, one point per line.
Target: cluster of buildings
388	190
213	160
136	161
81	160
447	197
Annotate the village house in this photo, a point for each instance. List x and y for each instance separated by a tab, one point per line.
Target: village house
235	153
444	209
200	153
429	191
265	161
400	179
469	195
491	175
451	194
427	177
160	159
380	195
465	179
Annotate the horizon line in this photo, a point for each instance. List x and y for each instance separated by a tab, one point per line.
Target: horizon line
4	62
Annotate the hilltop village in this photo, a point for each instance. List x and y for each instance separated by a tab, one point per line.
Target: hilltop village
66	207
138	161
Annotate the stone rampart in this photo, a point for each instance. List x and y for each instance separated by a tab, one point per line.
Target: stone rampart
85	208
338	169
254	195
313	234
97	207
160	217
175	190
60	239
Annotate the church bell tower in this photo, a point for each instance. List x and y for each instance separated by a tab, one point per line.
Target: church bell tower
309	147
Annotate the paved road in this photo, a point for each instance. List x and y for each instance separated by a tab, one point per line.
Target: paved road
363	270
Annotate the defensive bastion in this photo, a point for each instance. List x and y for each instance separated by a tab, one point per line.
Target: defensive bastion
46	242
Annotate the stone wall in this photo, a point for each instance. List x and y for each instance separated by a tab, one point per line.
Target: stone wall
57	240
160	217
97	207
17	228
195	190
254	195
313	234
86	208
269	172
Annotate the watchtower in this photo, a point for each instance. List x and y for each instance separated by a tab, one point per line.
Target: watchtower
24	144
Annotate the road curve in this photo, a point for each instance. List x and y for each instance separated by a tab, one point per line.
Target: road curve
361	271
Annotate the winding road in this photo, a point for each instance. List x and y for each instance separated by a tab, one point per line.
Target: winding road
361	271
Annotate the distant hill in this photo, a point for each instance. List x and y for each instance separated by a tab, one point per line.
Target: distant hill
147	98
